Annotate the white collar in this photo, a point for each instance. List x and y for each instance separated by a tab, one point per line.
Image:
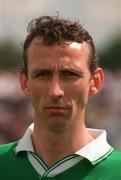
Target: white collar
95	151
25	143
98	149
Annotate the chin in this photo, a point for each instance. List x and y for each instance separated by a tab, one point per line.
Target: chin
58	126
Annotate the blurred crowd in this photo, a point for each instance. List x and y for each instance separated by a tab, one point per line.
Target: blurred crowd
15	109
104	110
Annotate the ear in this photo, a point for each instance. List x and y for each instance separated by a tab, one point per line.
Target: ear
96	82
24	83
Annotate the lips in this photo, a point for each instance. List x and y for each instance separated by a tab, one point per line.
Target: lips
56	109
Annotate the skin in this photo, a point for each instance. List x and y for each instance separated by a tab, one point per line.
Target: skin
59	84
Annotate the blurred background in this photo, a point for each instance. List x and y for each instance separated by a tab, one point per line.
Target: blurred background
102	18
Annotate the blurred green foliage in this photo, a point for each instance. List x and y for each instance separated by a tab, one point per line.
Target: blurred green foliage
110	55
10	55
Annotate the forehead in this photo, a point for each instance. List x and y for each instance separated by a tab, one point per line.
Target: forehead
66	52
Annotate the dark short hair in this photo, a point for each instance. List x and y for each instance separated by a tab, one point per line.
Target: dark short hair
56	30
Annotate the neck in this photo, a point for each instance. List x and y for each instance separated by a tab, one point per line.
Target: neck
52	146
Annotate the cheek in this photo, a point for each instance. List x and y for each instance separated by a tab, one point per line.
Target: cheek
37	94
79	95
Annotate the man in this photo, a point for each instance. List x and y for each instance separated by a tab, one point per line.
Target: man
60	73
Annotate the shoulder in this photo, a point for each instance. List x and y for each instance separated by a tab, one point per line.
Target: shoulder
115	156
112	161
110	166
5	148
12	164
7	155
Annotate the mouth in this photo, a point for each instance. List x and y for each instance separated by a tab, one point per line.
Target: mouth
56	109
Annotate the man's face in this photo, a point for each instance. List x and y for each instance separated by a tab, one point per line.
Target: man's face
58	83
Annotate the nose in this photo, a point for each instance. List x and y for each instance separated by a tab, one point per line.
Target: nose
55	89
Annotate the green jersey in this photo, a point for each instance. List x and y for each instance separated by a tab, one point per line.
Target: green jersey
95	161
17	167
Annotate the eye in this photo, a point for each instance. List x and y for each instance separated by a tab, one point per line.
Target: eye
43	74
69	74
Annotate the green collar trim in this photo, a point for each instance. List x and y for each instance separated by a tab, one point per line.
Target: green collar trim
102	157
56	168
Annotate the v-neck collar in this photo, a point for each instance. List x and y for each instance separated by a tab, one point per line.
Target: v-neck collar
95	152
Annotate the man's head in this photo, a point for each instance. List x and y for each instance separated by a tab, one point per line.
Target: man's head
60	72
55	30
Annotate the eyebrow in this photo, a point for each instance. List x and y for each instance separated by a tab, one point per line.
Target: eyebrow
62	69
35	71
76	70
